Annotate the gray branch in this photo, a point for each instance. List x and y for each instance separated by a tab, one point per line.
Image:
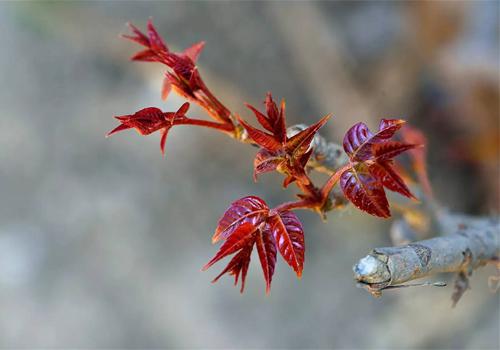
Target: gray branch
474	243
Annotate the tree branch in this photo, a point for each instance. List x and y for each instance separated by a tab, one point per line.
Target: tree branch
474	243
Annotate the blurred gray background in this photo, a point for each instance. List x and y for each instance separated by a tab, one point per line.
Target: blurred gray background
102	240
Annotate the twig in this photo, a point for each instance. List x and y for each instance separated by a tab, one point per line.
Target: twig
474	243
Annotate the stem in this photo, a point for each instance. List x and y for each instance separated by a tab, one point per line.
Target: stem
302	204
206	123
332	180
215	101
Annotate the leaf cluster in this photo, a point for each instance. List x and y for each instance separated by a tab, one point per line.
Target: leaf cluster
249	222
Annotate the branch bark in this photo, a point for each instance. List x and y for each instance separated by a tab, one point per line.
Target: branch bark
474	243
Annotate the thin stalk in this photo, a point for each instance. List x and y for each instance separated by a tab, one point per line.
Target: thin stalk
332	181
208	124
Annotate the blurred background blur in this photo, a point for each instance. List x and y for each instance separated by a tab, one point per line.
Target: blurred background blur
102	240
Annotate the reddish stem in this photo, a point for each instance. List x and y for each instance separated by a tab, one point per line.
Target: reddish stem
332	181
206	123
302	204
215	101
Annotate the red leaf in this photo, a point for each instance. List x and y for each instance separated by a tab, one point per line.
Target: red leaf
266	247
274	122
119	128
145	121
163	140
390	149
155	40
194	51
166	88
138	36
387	127
247	222
365	192
387	176
300	143
261	138
238	264
288	180
358	140
249	209
242	236
265	162
263	120
145	56
289	236
370	168
276	117
151	119
182	110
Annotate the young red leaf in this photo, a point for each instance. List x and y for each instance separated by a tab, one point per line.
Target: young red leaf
243	235
194	51
238	265
138	36
155	40
289	236
387	128
166	87
263	139
185	78
390	149
149	120
262	119
300	143
119	128
145	121
274	122
288	156
163	139
276	117
387	176
266	248
288	180
145	56
358	140
365	192
265	162
249	209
